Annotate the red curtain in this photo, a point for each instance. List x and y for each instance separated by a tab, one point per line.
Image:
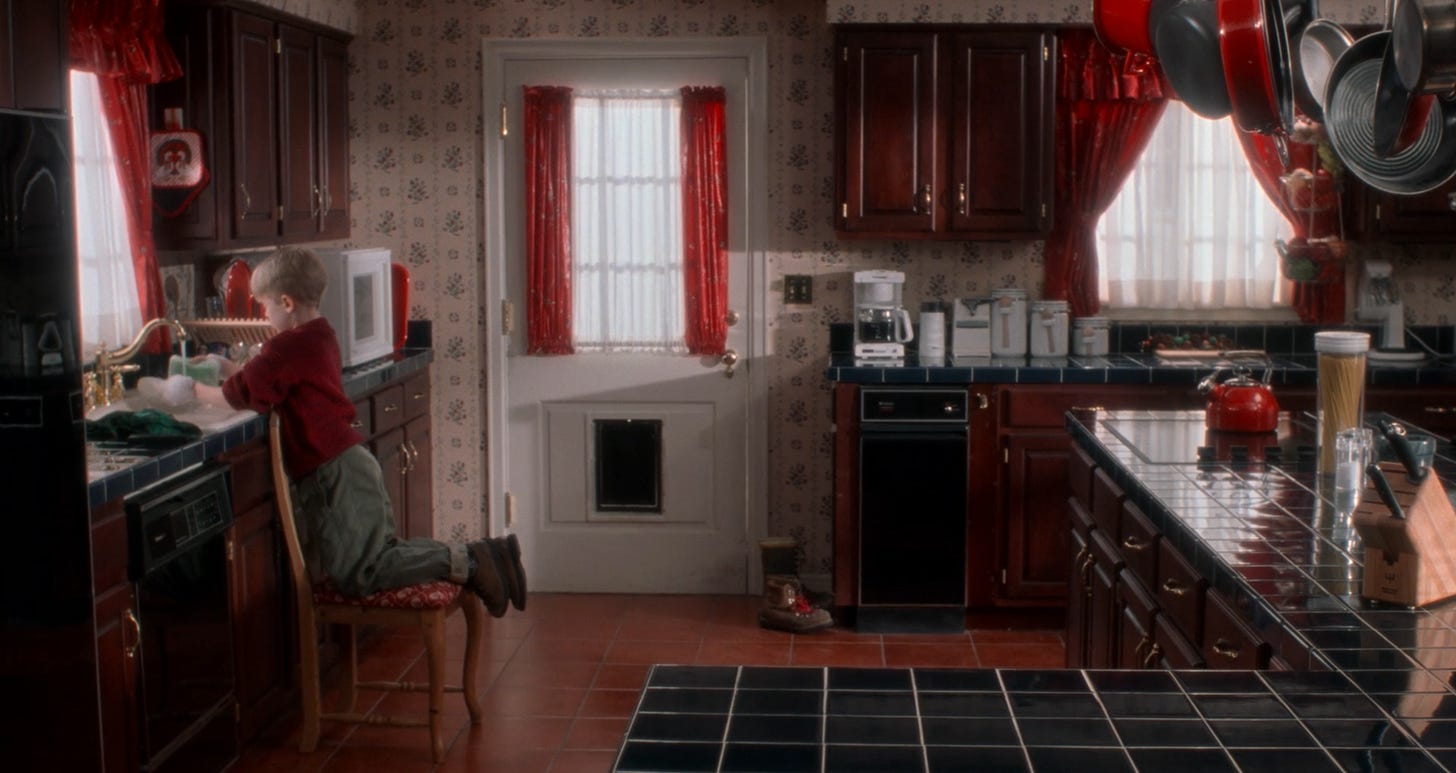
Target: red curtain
705	218
548	219
121	41
1316	302
1107	107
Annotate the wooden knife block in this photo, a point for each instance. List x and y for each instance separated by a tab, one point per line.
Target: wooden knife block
1409	561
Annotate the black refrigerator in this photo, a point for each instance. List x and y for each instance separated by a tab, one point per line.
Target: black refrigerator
48	655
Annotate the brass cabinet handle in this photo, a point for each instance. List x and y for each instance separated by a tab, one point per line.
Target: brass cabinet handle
136	627
247	200
1225	649
1087	573
1093	408
922	201
404	460
414	454
417	396
961	199
1134	544
318	203
328	199
357	424
390	407
1155	653
1174	587
982	402
1437	409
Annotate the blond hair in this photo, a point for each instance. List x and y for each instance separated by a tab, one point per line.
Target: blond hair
293	271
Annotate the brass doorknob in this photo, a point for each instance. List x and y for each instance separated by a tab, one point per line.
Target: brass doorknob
729	358
731	318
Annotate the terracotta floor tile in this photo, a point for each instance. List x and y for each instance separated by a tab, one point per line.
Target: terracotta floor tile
521	732
651	652
748	630
599	733
653	629
1020	656
503	758
411	758
988	636
577	761
740	653
868	654
532	701
562	650
621	676
548	673
901	655
576	628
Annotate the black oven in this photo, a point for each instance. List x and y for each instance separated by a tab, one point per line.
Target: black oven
178	564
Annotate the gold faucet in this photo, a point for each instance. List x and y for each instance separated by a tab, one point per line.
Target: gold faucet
103	384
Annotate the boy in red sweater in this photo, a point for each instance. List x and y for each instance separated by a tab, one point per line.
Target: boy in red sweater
345	520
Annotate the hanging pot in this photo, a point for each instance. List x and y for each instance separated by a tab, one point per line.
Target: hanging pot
1350	97
1425	45
1122	25
1255	49
1320	44
1185	41
1400	116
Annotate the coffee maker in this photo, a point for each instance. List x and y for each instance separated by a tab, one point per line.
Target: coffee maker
881	324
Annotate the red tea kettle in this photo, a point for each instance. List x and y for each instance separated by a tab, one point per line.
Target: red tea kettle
1241	403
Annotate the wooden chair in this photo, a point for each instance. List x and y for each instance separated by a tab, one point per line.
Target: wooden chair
425	606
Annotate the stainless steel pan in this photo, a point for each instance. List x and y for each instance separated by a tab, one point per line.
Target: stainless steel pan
1320	44
1185	40
1425	45
1350	98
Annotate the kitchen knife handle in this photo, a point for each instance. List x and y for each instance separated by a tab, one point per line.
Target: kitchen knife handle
1382	487
1395	433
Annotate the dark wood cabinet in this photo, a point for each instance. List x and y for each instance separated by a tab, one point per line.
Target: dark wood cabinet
1102	610
1079	590
1427	217
36	199
34	61
269	95
261	592
400	439
944	133
118	634
1035	560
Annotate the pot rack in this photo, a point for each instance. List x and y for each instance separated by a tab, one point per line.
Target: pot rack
1388	104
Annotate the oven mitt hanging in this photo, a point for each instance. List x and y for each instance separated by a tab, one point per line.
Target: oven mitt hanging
179	173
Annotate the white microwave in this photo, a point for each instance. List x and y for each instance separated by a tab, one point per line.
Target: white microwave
358	302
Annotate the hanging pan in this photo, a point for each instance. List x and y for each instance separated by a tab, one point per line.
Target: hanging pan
1425	45
1400	116
1185	41
1255	49
1350	107
1320	45
1122	25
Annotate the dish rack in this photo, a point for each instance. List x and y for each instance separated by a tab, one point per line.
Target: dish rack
228	331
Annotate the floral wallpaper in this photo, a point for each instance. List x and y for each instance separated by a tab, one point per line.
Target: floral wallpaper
415	119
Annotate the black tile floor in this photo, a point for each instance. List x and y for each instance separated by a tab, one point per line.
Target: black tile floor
826	720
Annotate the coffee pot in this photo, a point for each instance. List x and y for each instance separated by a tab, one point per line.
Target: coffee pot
882	326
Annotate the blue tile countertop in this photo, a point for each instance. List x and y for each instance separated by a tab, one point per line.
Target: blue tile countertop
357	382
1266	535
1285	370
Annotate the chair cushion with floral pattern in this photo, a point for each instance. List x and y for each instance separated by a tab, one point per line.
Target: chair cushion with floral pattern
426	595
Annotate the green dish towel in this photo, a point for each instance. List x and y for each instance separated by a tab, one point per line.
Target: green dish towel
136	425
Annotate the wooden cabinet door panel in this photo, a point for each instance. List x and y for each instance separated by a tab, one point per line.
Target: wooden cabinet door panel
1427	217
37	61
299	194
1138	542
333	136
1035	545
1172	648
888	121
1079	590
1000	149
116	665
1228	642
263	617
1180	590
1102	612
254	128
389	449
1137	609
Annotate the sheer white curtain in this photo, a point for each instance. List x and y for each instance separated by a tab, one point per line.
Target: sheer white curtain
1191	228
110	308
626	242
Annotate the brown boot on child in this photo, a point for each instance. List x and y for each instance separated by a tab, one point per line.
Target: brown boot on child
486	579
507	552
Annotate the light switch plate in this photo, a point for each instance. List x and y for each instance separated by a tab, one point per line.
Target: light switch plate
798	289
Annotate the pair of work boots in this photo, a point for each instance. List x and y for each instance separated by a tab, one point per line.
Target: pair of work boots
497	575
787	606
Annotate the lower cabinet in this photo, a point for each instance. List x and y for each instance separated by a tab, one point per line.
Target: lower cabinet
118	634
400	439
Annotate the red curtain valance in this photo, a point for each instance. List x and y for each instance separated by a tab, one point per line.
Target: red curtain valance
121	39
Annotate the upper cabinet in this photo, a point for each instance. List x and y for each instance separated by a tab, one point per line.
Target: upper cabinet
269	97
1428	217
944	133
33	56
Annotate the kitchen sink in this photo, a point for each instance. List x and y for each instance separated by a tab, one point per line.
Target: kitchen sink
207	418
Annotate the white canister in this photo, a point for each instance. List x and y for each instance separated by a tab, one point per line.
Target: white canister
1090	336
1008	323
932	332
1048	328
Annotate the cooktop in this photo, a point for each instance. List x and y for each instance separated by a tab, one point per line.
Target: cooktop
1182	438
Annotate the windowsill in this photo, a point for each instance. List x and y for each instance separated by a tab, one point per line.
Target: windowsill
1281	314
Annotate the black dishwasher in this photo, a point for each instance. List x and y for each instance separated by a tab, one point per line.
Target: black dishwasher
912	510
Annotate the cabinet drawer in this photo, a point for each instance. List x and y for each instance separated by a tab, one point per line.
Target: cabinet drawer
1228	642
1106	501
250	474
1180	591
1139	609
1026	407
387	408
1139	543
1079	475
417	396
1081	519
1173	647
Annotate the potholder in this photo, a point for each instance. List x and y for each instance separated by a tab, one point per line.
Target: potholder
179	173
